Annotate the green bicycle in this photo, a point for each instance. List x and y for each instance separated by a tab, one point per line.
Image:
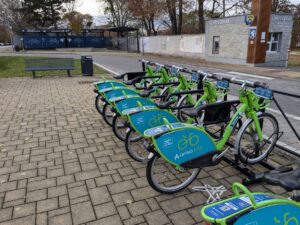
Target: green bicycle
135	142
170	169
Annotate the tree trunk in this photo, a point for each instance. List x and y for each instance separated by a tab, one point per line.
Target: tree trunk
171	6
153	27
201	25
180	17
213	9
148	29
224	8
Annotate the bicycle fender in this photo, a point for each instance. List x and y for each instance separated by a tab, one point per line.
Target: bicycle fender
183	145
148	119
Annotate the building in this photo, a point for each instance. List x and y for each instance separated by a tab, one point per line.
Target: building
227	40
230	40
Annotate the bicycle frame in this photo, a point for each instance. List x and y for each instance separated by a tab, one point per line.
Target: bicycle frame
249	107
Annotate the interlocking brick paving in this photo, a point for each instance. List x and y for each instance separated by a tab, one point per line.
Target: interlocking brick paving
61	164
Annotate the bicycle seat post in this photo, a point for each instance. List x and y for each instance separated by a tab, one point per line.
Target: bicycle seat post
296	196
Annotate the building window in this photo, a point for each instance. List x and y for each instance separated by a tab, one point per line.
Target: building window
216	44
274	42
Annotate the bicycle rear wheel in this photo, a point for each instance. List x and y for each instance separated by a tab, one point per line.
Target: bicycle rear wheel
250	149
165	178
134	145
108	114
119	127
98	104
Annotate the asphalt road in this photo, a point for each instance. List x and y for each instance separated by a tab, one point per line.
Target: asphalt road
122	63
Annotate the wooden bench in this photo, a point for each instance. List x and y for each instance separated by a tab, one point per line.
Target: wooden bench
48	64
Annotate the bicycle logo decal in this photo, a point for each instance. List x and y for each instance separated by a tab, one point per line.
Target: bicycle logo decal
286	221
156	120
188	140
188	145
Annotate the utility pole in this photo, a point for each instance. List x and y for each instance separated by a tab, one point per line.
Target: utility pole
259	31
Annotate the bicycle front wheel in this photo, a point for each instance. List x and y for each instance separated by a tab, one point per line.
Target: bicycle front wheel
119	127
165	178
250	149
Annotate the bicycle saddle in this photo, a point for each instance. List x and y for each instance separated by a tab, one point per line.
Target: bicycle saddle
290	181
146	93
165	105
132	81
193	112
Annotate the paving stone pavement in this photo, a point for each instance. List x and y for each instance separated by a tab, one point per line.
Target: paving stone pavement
60	163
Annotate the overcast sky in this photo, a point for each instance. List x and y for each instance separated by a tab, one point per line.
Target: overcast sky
94	8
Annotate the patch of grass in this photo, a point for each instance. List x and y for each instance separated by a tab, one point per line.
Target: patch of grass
294	60
13	66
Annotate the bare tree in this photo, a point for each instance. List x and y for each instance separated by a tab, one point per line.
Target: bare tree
174	9
10	14
281	6
146	11
118	12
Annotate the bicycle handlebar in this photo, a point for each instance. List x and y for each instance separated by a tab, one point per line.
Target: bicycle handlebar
247	83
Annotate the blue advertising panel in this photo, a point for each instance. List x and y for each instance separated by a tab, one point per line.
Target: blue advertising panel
145	120
183	145
278	214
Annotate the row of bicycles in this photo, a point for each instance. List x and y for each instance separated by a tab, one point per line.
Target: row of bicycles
179	121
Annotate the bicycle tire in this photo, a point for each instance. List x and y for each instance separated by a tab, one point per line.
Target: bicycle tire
98	104
119	129
167	190
132	148
242	155
108	114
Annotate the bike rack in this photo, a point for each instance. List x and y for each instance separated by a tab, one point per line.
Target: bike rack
252	177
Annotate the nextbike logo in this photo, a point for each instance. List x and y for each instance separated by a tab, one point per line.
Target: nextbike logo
125	105
140	120
190	140
188	145
287	220
156	120
168	142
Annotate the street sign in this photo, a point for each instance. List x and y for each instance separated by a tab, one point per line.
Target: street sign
249	19
252	33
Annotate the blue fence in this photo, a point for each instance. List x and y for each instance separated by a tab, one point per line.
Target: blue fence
49	42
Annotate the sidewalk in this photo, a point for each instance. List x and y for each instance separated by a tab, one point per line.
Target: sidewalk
60	164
